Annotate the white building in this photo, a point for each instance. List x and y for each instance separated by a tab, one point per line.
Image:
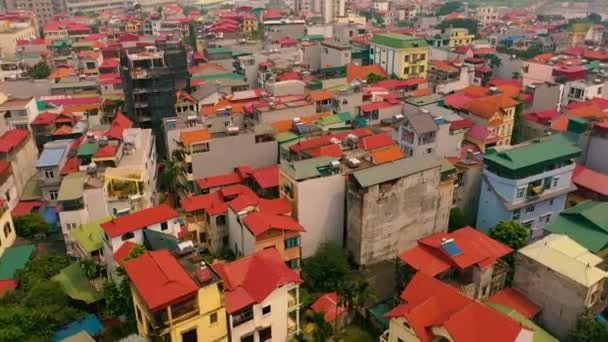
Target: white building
332	9
262	297
18	112
96	6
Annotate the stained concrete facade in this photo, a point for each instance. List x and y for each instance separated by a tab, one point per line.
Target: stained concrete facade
389	217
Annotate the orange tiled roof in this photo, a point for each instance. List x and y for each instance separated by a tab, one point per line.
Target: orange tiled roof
62	72
444	66
386	155
237	108
509	89
190	137
358	72
182	95
561	123
321	95
542	58
206	66
474	91
285	125
421	92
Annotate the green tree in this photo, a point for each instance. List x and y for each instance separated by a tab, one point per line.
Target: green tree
374	78
516	75
457	220
31	224
517	122
322	329
89	267
173	176
588	330
514	235
40	70
326	269
449	7
404	23
354	294
466	23
494	61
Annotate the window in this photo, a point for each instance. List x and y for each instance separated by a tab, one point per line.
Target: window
53	195
545	218
407	58
213	318
293	263
266	334
190	336
547	182
555	181
422	68
127	236
266	310
220	220
551	201
7	196
7	229
528	224
599	90
530	208
292	242
164	225
516	214
521	192
49	173
406	70
429	150
248	338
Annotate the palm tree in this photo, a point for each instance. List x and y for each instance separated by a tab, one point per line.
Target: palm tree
173	176
322	328
89	267
354	294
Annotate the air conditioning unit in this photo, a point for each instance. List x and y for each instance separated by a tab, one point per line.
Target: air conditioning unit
353	162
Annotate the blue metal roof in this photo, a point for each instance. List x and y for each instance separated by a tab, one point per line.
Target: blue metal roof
90	324
51	156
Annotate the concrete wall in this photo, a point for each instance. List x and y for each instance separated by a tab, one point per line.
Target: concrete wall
562	300
467	193
23	164
286	113
386	219
331	57
449	143
537	73
8	192
240	239
311	56
276	32
226	153
320	211
71	219
291	87
350	103
547	96
596	154
508	65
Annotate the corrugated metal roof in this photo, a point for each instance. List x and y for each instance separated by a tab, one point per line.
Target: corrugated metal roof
51	156
566	257
307	168
72	187
395	170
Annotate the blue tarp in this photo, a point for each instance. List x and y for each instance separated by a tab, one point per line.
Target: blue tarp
90	324
50	216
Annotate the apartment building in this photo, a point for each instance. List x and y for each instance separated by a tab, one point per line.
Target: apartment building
18	113
496	113
96	6
528	183
262	297
401	55
487	15
393	205
43	9
563	278
18	149
13	28
332	9
177	300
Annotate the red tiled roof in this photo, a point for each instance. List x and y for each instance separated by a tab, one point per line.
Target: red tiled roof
251	279
357	72
477	248
331	150
160	279
289	76
119	124
458	101
23	208
107	151
71	165
273	13
138	220
6	286
267	177
543	117
243	201
515	300
110	63
430	303
219	180
368	107
328	303
460	124
590	179
4	166
10	139
212	203
259	223
123	252
44	118
398	84
373	142
277	206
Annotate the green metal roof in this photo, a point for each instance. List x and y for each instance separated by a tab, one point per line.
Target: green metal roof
313	37
72	187
76	285
552	148
334	119
395	170
90	235
307	168
540	335
87	150
82	44
586	223
399	41
285	136
223	76
218	50
15	258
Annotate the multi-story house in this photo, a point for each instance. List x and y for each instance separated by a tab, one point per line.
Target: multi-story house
176	301
401	55
302	182
563	278
18	113
487	15
465	259
7	228
262	297
269	226
133	227
384	215
18	149
434	311
528	183
50	164
43	9
418	134
584	90
495	113
88	240
81	199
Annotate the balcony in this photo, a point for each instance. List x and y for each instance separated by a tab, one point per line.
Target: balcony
292	324
292	300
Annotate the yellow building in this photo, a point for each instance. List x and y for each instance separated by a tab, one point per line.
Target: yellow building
496	113
176	301
250	24
402	55
460	36
7	235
